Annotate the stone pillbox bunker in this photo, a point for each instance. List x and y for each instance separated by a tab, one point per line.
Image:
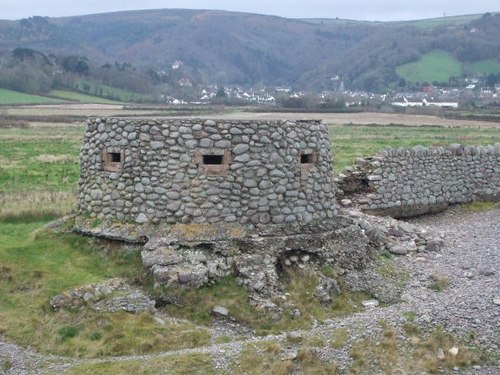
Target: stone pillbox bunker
210	199
203	171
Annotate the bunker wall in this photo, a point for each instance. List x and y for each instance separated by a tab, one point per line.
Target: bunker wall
197	171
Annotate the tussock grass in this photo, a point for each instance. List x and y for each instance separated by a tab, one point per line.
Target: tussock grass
338	338
197	304
439	282
299	285
271	358
6	123
180	364
35	206
6	365
48	158
310	363
392	352
255	360
386	267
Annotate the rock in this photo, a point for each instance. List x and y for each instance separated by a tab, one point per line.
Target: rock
398	249
487	272
496	301
440	354
355	213
453	351
326	289
87	297
220	311
290	356
240	149
159	320
141	219
294	336
156	145
346	202
434	245
378	235
106	290
370	303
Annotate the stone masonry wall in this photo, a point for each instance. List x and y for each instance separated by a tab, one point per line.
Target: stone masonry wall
402	182
197	171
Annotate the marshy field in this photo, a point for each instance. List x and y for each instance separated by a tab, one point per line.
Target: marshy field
39	149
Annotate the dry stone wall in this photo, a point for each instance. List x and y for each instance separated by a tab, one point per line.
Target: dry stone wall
197	171
408	182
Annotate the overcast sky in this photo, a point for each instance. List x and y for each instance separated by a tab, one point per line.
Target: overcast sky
373	10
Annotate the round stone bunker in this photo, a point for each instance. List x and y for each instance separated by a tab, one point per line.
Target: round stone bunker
204	171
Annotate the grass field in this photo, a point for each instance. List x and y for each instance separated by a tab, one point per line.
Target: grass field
490	66
81	98
437	65
351	141
111	92
9	97
39	159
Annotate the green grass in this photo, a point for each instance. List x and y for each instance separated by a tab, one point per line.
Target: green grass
36	265
490	66
265	358
81	98
9	97
351	141
39	159
412	355
479	206
110	92
437	65
196	304
180	364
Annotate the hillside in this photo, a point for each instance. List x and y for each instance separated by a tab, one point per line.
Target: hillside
249	49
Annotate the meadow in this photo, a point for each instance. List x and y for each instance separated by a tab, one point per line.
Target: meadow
437	65
9	97
38	181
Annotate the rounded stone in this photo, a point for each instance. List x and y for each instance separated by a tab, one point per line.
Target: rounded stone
240	149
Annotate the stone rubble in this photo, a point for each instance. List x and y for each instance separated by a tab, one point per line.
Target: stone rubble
111	296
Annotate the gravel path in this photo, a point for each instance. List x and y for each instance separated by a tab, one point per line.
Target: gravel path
470	262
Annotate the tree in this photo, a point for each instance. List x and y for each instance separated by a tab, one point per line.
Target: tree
221	92
492	79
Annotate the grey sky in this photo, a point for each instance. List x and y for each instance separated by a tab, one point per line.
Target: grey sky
383	10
